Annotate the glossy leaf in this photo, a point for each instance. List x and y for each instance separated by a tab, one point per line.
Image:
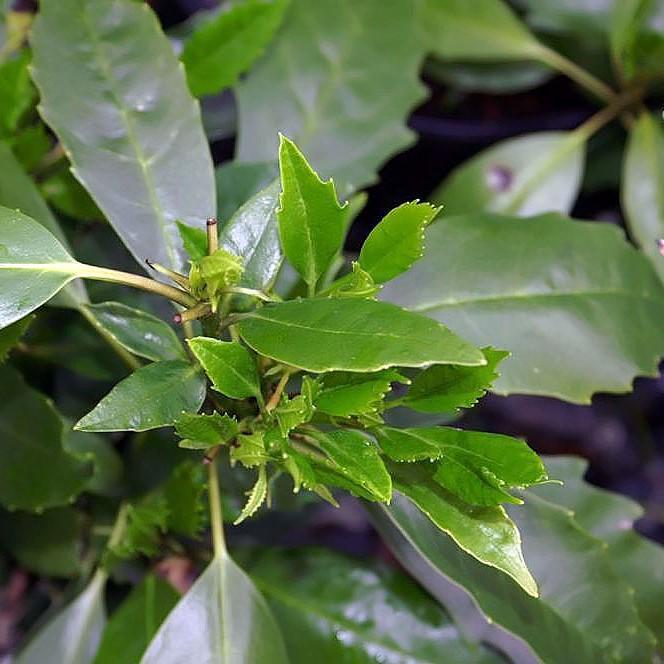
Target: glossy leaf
481	30
132	626
478	467
221	619
252	234
524	176
322	335
490	278
444	389
311	219
32	432
397	242
73	635
643	187
119	104
230	366
347	611
342	95
203	431
194	241
225	46
357	458
139	332
153	396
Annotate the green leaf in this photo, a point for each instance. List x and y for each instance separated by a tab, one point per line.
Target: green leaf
194	240
120	106
311	219
221	619
16	93
599	321
357	283
184	492
479	30
230	366
203	431
145	521
153	396
485	533
643	187
332	334
48	543
353	87
475	466
32	435
73	635
210	275
139	332
357	458
524	176
291	412
252	233
397	242
345	394
11	335
347	611
250	450
107	473
227	45
18	192
131	628
256	497
237	182
446	388
65	193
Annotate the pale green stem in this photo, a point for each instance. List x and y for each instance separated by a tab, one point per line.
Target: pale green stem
216	517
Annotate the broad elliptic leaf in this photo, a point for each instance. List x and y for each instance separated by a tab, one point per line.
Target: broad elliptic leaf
446	388
131	628
610	518
230	366
484	533
347	611
339	79
225	46
311	219
537	284
575	618
153	396
643	187
49	543
252	233
32	436
139	332
478	467
115	94
73	635
222	619
330	334
524	176
478	30
397	242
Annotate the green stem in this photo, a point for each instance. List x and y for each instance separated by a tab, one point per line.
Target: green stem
216	517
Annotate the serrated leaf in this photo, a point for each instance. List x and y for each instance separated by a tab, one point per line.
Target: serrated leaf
120	106
356	458
230	366
444	389
353	88
139	332
132	626
477	467
250	450
203	431
145	521
252	233
311	219
524	176
221	619
374	611
194	240
73	635
642	192
32	435
227	45
602	317
397	242
321	335
153	396
184	492
256	497
11	335
345	394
